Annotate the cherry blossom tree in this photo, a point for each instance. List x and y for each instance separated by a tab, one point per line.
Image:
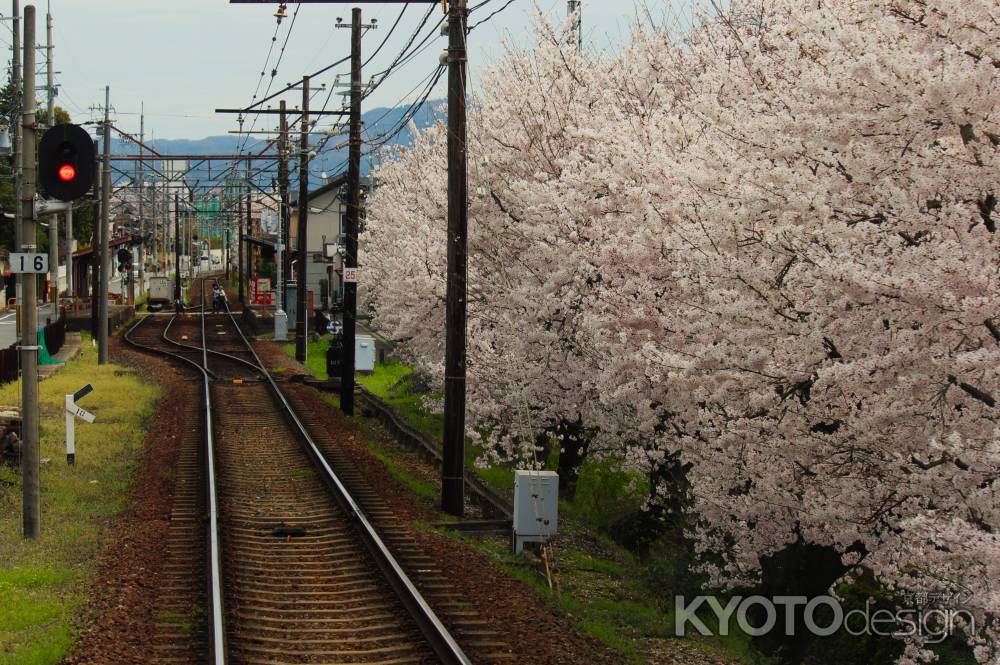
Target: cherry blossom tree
766	247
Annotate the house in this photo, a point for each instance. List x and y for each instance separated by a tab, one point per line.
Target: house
324	234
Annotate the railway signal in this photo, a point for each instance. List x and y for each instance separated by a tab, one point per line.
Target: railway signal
66	162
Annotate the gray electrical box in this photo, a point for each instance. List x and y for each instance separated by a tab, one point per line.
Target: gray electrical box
364	354
536	507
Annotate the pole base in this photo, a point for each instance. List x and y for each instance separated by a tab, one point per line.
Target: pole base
70	459
453	496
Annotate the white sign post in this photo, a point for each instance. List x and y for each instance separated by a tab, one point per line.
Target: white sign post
350	275
72	413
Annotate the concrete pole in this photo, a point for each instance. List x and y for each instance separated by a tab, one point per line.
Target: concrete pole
301	315
51	121
102	313
54	258
15	79
574	8
69	252
29	338
142	218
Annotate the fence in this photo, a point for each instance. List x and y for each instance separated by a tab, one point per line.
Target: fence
55	335
10	363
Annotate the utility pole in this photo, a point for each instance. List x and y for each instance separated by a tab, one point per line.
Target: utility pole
29	337
244	251
453	450
95	244
177	245
102	316
283	260
15	79
53	294
239	246
301	316
69	252
576	13
153	256
142	186
353	218
248	270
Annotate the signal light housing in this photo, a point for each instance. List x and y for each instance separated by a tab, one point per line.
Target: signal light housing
66	162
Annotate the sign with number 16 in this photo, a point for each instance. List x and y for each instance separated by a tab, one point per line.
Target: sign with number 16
30	263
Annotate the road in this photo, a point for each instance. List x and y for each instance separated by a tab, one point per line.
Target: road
8	324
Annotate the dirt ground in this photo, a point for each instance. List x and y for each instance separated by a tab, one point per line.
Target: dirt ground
118	623
535	632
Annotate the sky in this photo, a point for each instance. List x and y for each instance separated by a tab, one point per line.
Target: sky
178	60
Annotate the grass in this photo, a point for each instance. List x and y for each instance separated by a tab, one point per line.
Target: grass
418	487
315	357
43	582
609	592
601	588
392	382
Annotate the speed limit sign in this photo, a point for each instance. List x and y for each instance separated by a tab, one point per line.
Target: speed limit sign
30	263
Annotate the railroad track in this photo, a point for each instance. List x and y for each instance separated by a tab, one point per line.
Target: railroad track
296	571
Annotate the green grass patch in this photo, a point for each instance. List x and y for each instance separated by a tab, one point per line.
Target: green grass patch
612	594
417	486
392	382
315	356
604	592
304	472
387	379
43	582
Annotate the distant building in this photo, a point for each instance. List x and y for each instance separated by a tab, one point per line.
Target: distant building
324	234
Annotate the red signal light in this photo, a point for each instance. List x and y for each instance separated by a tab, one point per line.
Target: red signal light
67	172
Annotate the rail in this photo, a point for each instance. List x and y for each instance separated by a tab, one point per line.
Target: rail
430	626
218	631
427	621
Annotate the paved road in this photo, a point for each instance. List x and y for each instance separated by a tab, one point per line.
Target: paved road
8	324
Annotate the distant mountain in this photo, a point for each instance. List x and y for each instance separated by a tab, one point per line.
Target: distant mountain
331	160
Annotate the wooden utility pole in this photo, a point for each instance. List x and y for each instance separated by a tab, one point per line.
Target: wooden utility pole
301	316
102	315
29	337
453	451
353	220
